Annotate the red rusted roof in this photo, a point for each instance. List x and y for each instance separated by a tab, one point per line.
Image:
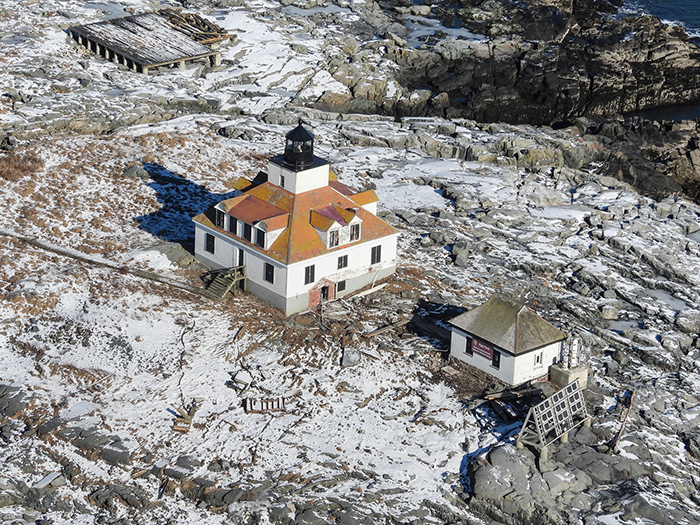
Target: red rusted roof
251	209
342	188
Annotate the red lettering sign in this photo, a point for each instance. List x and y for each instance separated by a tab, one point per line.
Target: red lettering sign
482	349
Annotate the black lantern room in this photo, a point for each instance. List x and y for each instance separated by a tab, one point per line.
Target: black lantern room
299	150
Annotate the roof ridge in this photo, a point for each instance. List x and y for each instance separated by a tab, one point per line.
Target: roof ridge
291	228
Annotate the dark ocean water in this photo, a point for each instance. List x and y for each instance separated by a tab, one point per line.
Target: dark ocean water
681	12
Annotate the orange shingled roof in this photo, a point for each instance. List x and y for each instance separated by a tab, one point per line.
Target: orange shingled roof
242	184
300	240
276	223
321	221
365	197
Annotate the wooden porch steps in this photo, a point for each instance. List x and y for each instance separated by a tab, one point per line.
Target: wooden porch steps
221	282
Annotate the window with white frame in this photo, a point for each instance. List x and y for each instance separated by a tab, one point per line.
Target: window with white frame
496	359
269	274
333	238
220	219
376	254
233	225
259	237
342	262
309	274
209	242
354	232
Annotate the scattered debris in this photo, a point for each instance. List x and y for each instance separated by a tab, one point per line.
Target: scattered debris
184	421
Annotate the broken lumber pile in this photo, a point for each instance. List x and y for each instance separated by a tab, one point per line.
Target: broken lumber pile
183	422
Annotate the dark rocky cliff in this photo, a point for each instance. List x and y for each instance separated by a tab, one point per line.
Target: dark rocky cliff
549	60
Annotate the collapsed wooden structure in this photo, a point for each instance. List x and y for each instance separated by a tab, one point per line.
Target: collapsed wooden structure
166	38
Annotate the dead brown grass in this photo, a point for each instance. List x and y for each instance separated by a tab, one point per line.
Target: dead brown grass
14	165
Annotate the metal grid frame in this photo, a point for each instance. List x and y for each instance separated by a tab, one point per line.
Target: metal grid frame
555	416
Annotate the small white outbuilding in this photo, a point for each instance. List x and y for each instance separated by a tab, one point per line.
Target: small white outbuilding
506	339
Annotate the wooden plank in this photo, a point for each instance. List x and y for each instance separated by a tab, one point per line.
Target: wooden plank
616	440
182	413
371	290
510	393
388	327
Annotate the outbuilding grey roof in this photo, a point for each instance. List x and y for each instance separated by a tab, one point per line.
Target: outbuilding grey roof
508	324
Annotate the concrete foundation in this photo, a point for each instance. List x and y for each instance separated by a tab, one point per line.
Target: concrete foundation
563	376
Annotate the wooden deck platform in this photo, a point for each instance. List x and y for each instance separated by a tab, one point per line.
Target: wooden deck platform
151	40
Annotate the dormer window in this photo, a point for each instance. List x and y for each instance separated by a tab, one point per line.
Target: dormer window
259	238
354	232
333	238
220	219
233	225
248	232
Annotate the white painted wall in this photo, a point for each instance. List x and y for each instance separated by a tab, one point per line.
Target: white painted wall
513	370
458	344
223	249
527	368
326	266
371	207
298	182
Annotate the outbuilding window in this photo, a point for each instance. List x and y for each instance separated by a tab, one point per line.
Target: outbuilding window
340	286
496	359
468	346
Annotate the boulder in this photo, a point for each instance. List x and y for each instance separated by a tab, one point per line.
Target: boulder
351	356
